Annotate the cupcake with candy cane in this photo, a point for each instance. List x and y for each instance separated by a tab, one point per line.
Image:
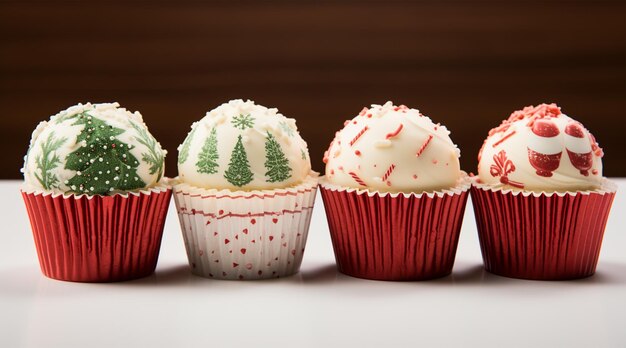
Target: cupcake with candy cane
244	193
394	195
540	200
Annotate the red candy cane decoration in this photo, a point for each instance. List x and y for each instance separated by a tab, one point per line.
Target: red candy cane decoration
354	140
423	147
388	172
357	179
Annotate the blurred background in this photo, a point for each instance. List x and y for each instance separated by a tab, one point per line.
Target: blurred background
465	64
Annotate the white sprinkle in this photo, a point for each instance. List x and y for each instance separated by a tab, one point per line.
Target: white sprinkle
111	189
104	147
78	173
100	172
95	178
100	159
91	188
92	160
124	155
108	172
116	178
111	137
73	187
117	168
106	182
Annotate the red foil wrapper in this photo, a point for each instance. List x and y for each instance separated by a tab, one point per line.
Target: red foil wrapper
98	238
386	236
541	236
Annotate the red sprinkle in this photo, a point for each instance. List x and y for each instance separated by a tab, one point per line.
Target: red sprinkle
357	152
388	172
354	140
357	179
395	133
421	149
503	139
363	112
594	172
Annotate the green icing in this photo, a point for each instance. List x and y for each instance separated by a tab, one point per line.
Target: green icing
183	154
154	157
243	121
47	161
104	163
207	160
276	163
238	172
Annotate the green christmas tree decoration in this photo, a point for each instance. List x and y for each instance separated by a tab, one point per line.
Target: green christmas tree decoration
184	150
104	163
207	160
238	172
276	163
153	157
47	161
243	121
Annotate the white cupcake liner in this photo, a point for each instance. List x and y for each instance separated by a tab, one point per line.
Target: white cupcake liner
245	234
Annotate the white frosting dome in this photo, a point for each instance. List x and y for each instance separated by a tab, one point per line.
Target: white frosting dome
93	149
393	149
541	149
243	146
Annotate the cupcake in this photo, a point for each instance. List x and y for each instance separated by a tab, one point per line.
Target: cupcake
244	193
540	200
394	195
94	193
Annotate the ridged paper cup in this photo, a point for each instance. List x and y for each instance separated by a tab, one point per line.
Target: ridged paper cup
394	236
245	234
97	238
541	236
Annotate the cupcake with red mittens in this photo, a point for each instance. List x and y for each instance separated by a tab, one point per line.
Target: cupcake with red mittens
394	195
540	200
95	194
244	193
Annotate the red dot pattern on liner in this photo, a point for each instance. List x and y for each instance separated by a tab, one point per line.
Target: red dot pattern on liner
244	245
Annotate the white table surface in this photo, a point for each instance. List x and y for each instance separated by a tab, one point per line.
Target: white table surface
317	307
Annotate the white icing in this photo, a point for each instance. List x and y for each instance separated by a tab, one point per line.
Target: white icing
577	145
372	155
62	127
266	120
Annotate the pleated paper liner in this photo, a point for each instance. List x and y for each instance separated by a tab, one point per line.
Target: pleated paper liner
541	236
97	238
245	235
394	236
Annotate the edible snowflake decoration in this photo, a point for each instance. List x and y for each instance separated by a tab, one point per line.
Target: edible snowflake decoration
285	128
243	121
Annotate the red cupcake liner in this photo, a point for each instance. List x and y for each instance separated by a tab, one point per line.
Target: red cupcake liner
541	236
385	236
97	238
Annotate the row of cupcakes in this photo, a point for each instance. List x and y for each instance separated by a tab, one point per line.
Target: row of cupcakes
393	191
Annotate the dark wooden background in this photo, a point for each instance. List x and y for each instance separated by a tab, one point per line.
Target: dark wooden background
465	64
